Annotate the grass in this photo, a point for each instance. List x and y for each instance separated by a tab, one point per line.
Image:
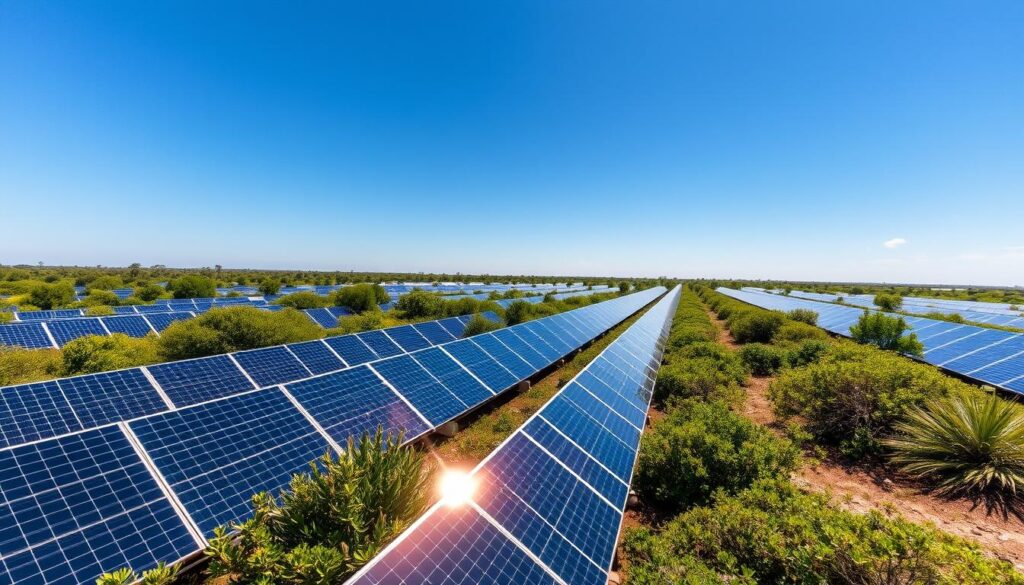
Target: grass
488	428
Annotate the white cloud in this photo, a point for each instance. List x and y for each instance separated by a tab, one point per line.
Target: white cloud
894	243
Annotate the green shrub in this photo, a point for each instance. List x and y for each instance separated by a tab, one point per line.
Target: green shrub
6	316
969	444
803	316
104	283
479	324
518	312
773	533
806	352
360	297
233	329
98	353
51	296
19	365
685	334
702	447
99	298
192	286
303	300
420	304
702	377
269	286
888	302
854	394
886	332
625	286
150	292
755	326
161	574
99	311
368	321
330	521
762	359
796	331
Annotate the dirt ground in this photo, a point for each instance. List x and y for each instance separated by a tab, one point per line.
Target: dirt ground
860	488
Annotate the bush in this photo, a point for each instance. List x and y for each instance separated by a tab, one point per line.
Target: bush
420	304
886	332
99	311
792	331
761	359
192	287
702	447
360	297
329	521
161	574
702	377
518	312
773	533
150	292
625	286
101	298
233	329
269	286
888	302
479	324
969	444
96	353
19	365
368	321
854	395
52	296
803	316
807	352
755	326
303	300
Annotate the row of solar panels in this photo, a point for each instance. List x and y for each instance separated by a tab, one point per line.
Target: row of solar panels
990	356
197	305
153	488
988	316
548	503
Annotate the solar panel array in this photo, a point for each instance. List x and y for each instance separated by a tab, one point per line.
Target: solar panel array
549	501
990	356
194	440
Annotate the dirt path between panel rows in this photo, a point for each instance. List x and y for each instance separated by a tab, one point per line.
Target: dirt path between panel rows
860	489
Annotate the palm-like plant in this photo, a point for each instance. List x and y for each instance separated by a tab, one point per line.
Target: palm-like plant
969	445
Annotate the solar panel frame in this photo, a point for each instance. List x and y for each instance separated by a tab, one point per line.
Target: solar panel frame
428	395
317	356
67	330
380	343
131	325
99	399
408	338
351	349
271	365
199	380
29	335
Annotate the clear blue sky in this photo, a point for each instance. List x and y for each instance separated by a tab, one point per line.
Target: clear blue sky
757	139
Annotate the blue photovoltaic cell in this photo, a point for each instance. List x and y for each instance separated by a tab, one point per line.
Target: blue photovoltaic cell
30	335
322	317
601	413
316	356
160	308
588	434
76	507
537	343
980	339
522	349
460	382
987	356
556	335
355	401
132	325
34	411
482	365
505	356
162	321
271	366
453	325
434	332
407	338
429	396
65	330
380	343
351	349
456	546
338	312
215	456
128	310
98	399
539	329
193	381
629	409
574	458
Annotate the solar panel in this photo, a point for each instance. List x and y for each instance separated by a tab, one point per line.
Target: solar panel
351	402
434	332
536	342
461	383
34	411
316	356
271	365
75	507
351	349
98	399
161	321
481	365
522	349
29	335
215	456
322	317
193	381
519	367
453	325
65	330
380	343
431	398
582	463
407	338
131	325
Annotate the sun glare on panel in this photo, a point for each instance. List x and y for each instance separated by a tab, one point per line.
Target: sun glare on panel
457	487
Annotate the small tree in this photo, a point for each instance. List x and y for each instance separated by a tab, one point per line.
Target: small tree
804	316
105	283
886	332
361	297
52	296
270	286
479	324
192	287
95	353
418	304
888	302
625	286
150	292
518	312
303	300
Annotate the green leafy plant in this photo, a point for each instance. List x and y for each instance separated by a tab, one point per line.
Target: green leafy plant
52	296
96	353
367	321
192	286
360	297
161	574
303	300
803	316
330	521
233	329
518	312
968	444
479	324
755	325
269	286
762	359
888	302
886	332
